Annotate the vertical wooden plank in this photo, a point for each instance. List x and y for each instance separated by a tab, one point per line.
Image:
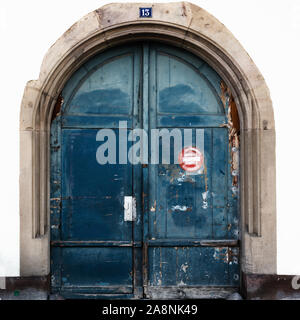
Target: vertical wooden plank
159	217
168	266
55	202
154	226
154	268
137	177
219	182
56	269
234	267
232	198
146	168
55	179
203	191
182	266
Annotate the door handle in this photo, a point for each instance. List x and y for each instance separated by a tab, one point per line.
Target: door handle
129	208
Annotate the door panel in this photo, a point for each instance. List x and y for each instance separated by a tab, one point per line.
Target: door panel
182	89
92	194
106	89
191	266
92	269
182	208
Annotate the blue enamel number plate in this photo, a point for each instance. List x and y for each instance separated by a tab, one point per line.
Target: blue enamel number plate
145	12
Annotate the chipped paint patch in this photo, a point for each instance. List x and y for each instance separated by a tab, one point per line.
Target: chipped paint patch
179	208
54	199
57	107
236	232
234	190
184	267
221	254
216	254
175	175
153	208
181	178
204	199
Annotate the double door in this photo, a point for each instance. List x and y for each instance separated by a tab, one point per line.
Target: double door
128	217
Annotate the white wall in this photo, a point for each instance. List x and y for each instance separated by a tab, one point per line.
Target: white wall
268	29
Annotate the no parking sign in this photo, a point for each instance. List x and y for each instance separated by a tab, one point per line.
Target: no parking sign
191	159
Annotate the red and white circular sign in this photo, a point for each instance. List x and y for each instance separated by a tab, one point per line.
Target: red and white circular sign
190	159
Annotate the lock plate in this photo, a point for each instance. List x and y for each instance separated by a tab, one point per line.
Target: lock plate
129	208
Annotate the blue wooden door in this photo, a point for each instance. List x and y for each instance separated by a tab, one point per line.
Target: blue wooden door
185	234
191	233
92	247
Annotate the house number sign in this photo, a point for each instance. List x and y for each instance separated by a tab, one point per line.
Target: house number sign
145	12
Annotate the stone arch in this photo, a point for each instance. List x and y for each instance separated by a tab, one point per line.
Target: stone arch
184	25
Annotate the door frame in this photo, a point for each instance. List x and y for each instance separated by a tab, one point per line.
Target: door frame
179	24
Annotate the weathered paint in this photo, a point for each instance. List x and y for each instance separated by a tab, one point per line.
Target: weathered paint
186	229
234	131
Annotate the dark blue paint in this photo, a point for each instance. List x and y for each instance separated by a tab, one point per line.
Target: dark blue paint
189	96
200	121
92	194
96	269
183	89
102	101
191	266
92	246
94	251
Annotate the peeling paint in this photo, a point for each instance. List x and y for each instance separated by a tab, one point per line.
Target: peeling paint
221	254
153	208
181	178
180	208
232	256
57	107
233	126
176	175
234	190
54	199
205	176
236	232
204	197
184	267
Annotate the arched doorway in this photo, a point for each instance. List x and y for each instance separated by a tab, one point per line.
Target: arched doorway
183	240
182	25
